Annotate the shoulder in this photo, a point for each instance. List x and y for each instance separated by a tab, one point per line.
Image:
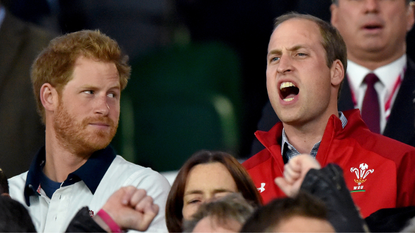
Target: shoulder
385	147
16	186
410	64
14	26
126	173
258	160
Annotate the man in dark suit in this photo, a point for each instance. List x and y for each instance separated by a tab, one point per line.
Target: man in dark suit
374	32
21	130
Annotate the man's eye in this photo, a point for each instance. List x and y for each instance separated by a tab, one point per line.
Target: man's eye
274	59
111	95
301	54
91	92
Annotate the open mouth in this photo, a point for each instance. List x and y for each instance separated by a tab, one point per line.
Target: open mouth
372	26
288	91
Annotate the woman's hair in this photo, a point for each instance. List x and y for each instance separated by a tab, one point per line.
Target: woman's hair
244	183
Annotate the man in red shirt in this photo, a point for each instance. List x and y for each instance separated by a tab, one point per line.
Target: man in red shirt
306	65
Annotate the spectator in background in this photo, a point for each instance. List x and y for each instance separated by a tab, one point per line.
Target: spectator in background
22	132
204	177
77	82
375	35
226	214
303	213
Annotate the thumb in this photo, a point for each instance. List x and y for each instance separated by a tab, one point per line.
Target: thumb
150	212
284	186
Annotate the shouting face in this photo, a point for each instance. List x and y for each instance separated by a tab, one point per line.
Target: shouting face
301	87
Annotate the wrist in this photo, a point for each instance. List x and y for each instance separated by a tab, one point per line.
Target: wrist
106	218
98	220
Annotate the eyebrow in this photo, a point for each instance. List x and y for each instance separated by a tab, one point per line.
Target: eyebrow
93	87
294	48
200	192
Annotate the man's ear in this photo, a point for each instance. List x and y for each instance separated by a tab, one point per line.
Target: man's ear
333	10
410	17
49	97
337	73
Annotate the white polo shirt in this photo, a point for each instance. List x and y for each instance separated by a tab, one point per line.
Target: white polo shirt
91	185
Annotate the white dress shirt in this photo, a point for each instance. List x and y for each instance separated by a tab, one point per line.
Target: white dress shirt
390	76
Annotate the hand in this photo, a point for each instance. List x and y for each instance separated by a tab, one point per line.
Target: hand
131	208
294	173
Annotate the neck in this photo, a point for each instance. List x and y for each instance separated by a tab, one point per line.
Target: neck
60	162
303	137
372	61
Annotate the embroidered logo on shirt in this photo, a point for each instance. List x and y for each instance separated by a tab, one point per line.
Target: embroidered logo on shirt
261	189
361	175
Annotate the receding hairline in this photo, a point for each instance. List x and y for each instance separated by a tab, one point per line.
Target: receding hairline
294	47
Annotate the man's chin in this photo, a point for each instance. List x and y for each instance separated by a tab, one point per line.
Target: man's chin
89	146
100	144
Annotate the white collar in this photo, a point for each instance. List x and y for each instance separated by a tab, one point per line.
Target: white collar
387	74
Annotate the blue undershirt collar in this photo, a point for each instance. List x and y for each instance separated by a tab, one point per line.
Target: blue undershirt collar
288	151
90	173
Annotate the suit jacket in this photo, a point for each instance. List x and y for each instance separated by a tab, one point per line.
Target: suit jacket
400	125
21	130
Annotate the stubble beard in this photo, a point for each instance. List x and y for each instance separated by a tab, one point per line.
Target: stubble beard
76	138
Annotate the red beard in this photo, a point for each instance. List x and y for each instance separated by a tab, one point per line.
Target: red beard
76	137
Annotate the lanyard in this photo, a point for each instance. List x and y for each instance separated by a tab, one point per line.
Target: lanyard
389	100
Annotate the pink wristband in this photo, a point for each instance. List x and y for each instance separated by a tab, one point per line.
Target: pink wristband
109	221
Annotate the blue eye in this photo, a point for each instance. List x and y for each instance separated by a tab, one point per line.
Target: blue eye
275	59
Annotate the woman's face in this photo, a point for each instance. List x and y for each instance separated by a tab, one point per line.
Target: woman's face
206	182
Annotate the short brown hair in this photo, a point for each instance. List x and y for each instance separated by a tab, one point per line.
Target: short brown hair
332	41
55	64
244	183
232	206
269	216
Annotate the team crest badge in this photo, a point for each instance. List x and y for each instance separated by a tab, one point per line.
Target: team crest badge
361	176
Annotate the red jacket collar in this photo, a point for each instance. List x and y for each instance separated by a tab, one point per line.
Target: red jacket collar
333	127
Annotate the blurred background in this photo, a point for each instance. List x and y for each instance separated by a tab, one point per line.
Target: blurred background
198	68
